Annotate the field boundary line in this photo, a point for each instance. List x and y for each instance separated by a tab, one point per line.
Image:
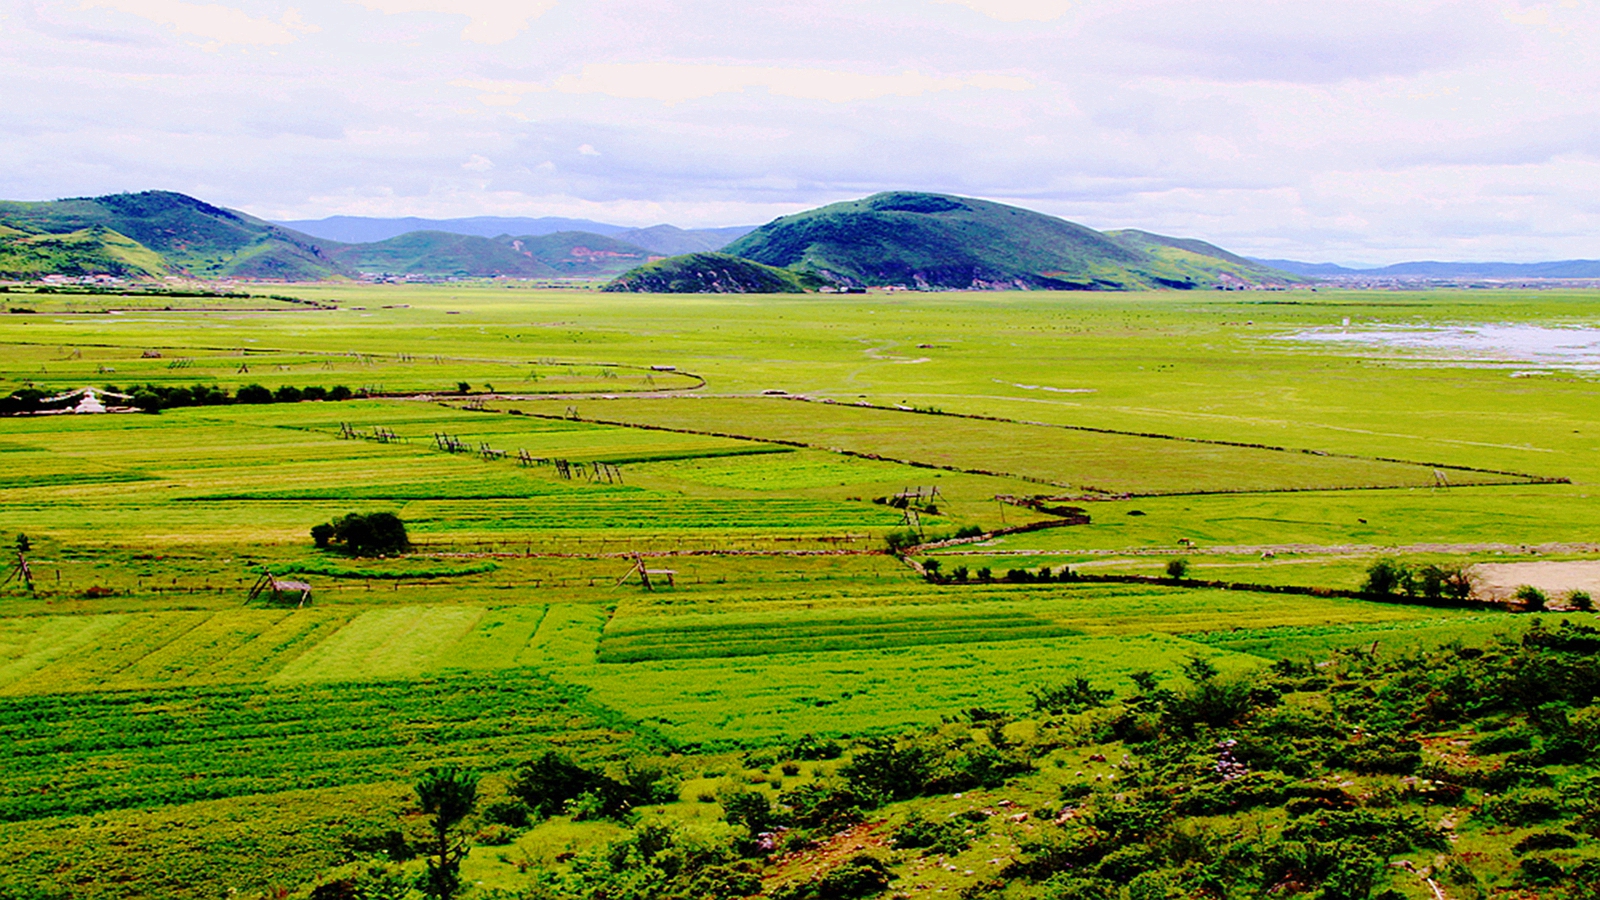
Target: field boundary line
1153	435
1206	584
1521	478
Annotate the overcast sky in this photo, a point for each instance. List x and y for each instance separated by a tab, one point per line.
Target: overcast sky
1329	130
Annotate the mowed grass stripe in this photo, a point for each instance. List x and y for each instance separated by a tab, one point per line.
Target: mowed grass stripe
31	644
152	748
384	643
101	662
569	635
702	641
498	641
624	652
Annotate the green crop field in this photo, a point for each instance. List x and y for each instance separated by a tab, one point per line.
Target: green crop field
747	452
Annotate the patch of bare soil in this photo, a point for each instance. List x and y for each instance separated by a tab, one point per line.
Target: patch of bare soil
868	837
1500	580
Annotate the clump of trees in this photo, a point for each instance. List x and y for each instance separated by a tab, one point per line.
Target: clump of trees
153	398
1389	577
552	784
363	534
255	393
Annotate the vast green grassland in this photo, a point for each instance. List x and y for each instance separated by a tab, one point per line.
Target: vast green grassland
144	705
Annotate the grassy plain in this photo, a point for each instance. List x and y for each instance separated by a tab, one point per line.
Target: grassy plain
508	630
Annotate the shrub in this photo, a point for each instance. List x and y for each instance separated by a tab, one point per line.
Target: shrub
809	747
948	837
858	877
287	394
1387	577
1454	582
339	392
1531	598
897	541
1074	696
551	783
1524	807
1580	600
887	770
147	401
1545	840
1538	870
369	534
314	393
821	805
1178	568
496	835
750	809
253	393
511	813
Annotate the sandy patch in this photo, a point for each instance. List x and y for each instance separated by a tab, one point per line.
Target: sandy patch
1501	580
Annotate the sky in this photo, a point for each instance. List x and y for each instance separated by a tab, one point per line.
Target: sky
1350	131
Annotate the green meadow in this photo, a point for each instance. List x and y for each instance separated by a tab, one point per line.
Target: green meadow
746	451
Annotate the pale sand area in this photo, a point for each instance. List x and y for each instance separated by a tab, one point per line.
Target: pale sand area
1501	580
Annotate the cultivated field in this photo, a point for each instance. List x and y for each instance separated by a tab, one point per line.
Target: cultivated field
144	704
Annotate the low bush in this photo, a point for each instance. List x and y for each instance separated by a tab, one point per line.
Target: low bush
363	534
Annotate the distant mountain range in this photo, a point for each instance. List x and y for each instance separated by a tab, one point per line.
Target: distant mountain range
917	240
1570	268
154	234
666	239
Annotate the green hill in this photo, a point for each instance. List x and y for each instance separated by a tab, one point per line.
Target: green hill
938	241
580	253
712	273
152	233
87	251
440	253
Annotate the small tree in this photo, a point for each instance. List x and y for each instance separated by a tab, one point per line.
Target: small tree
448	795
364	534
1580	600
750	809
1531	598
147	401
1178	568
253	393
1387	577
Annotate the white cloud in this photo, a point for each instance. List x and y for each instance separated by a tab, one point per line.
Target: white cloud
673	83
1366	130
677	82
1018	10
492	21
214	22
587	150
